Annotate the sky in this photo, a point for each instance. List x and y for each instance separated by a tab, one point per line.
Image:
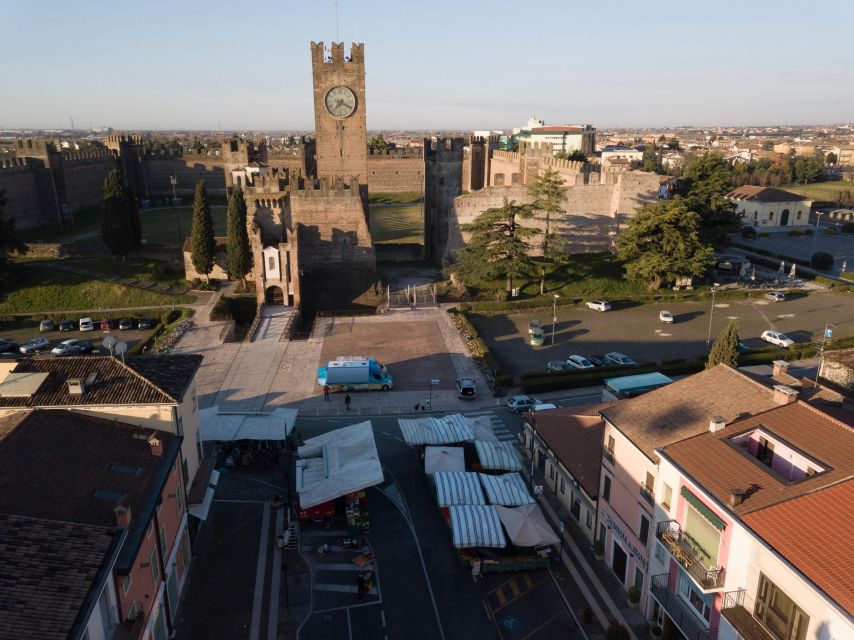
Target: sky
437	64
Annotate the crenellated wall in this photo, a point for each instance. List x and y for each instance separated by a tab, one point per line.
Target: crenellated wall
396	171
18	179
83	175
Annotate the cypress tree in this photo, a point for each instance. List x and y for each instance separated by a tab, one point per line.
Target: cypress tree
725	348
116	225
202	236
239	259
133	215
8	241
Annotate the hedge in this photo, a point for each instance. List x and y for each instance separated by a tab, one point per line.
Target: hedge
490	360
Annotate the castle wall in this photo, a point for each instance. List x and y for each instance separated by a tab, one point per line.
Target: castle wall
505	169
443	183
84	176
188	170
395	172
23	200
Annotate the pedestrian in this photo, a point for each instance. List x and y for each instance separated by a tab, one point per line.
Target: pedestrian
326	392
347	401
360	586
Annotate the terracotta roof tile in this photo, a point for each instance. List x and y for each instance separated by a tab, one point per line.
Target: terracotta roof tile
576	441
764	194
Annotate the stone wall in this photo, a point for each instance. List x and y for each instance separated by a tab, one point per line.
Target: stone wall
23	201
84	180
188	170
394	173
404	252
220	269
443	183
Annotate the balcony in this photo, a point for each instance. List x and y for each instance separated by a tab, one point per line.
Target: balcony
646	494
679	612
675	541
736	610
609	455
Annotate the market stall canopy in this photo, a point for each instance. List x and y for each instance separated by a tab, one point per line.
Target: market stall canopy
337	463
456	488
474	525
498	455
445	430
482	428
508	489
444	459
228	427
201	509
526	525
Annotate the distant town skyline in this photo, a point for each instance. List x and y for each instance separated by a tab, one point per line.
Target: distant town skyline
440	65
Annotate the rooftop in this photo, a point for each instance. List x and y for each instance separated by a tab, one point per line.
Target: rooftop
764	194
840	356
576	441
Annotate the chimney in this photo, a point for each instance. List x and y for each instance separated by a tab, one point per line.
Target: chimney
156	446
717	423
75	387
780	367
122	513
784	395
736	497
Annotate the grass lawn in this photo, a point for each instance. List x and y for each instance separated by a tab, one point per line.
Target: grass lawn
404	197
823	191
85	222
396	224
160	226
142	269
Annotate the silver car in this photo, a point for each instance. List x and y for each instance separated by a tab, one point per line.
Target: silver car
35	345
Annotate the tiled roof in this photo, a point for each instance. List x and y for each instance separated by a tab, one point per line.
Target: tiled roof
683	408
148	379
719	465
576	441
48	568
840	356
822	553
764	194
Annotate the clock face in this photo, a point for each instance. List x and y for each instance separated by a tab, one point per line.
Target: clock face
340	102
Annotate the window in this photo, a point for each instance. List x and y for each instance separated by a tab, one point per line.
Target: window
602	533
765	453
589	520
163	540
667	498
611	444
271	264
126	584
700	603
771	217
781	615
185	550
576	507
702	536
149	529
638	579
643	534
659	552
155	568
562	486
606	489
551	472
179	500
650	481
799	215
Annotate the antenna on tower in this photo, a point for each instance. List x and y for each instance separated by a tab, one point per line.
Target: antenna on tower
336	20
72	122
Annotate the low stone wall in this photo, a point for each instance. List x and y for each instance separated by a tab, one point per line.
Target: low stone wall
406	252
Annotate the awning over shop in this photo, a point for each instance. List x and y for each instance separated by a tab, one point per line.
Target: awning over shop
526	525
707	513
508	489
445	430
337	463
201	510
475	525
482	428
444	459
456	488
498	455
228	427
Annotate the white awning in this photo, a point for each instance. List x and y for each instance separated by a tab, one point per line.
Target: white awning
444	459
482	428
201	510
445	430
508	489
498	455
526	525
456	488
228	427
337	463
476	526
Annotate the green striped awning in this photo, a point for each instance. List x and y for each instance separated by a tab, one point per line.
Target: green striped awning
707	513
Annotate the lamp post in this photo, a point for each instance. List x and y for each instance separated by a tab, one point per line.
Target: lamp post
533	423
174	182
712	313
434	381
817	228
554	316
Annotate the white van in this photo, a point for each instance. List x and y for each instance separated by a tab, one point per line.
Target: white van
86	324
543	406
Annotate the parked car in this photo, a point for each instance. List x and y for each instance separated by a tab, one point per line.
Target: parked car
518	404
538	337
35	345
125	324
46	325
82	348
145	323
742	347
558	365
666	317
71	347
534	325
66	325
7	346
580	362
466	388
599	360
616	357
599	305
775	296
106	325
775	337
86	324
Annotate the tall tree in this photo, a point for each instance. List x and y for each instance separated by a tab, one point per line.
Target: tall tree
378	143
499	246
8	241
117	227
239	258
202	236
704	185
661	243
549	195
133	214
725	348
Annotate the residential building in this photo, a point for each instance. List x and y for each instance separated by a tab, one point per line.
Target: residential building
837	368
844	155
769	207
612	152
93	527
564	138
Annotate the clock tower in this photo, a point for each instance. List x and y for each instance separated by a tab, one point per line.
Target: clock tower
339	114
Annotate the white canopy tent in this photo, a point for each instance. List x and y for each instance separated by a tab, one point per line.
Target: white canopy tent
526	525
337	463
508	489
228	427
444	459
498	455
434	431
201	510
476	525
482	428
456	488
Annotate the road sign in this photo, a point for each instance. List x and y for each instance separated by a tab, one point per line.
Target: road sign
434	381
828	333
109	342
538	489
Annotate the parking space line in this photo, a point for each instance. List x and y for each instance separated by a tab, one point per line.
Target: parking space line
512	600
515	589
546	623
528	582
501	597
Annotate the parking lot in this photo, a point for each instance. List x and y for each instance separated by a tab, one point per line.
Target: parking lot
637	331
22	332
840	246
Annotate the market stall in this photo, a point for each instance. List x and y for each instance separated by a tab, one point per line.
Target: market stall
526	525
507	489
501	456
474	525
455	488
436	431
443	459
231	427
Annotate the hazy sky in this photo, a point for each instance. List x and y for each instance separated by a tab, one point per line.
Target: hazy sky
431	64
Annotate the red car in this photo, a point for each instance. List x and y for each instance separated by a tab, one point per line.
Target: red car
106	325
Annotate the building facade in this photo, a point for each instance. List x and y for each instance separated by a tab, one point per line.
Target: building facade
768	207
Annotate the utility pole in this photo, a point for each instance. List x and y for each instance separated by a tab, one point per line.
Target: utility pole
712	314
174	182
828	333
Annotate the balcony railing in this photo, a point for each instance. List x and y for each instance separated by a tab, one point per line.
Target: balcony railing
736	610
678	610
609	455
673	538
646	494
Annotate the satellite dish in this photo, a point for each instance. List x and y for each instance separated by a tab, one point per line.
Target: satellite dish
109	342
121	347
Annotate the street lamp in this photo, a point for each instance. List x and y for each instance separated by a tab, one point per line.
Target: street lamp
434	381
712	314
817	229
174	182
554	317
533	423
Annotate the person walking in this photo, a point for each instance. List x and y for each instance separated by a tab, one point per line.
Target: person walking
326	392
347	401
361	587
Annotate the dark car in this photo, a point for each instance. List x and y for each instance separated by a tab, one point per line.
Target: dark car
82	348
125	324
145	323
67	325
7	346
466	388
599	360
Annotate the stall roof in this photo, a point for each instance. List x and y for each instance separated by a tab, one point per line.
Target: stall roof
476	525
482	428
227	427
444	459
498	455
526	525
456	488
337	463
508	489
201	509
445	430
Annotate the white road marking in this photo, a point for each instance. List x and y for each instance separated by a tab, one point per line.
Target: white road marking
732	317
382	616
349	626
260	570
341	588
664	335
385	433
786	315
721	305
658	331
331	566
275	581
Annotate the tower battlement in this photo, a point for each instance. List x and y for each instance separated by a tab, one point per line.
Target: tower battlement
444	149
336	55
324	187
14	164
124	138
34	147
406	152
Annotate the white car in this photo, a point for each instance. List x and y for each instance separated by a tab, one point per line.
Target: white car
775	337
666	317
775	296
66	347
599	305
580	362
518	404
35	345
86	324
615	357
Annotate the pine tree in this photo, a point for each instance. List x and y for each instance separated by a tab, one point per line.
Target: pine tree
725	348
133	215
202	236
116	224
239	257
549	194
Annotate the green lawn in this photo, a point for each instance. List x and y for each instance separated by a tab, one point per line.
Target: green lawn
823	191
404	197
85	222
160	226
142	269
396	224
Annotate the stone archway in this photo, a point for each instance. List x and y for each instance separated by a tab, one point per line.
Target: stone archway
274	296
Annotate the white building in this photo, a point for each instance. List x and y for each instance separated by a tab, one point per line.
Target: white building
769	207
564	138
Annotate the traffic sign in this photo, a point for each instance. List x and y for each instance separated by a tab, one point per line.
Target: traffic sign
538	489
828	333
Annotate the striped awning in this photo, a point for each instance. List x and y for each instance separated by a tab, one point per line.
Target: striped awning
507	490
704	511
434	431
457	488
498	455
476	526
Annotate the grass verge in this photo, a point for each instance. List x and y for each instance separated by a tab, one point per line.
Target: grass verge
396	224
821	191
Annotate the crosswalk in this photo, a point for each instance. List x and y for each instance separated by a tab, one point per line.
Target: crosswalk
334	572
498	427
